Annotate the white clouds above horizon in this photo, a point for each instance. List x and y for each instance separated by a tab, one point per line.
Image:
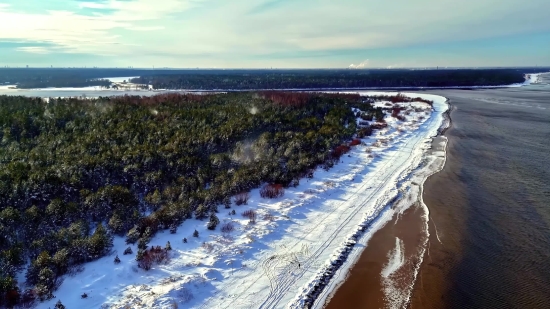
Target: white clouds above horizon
245	33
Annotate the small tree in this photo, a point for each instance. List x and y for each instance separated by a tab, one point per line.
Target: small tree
168	246
117	260
213	222
185	239
173	228
59	305
227	202
233	212
128	251
196	233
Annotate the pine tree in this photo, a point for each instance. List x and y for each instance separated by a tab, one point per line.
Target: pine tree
196	233
185	239
173	228
213	222
117	260
100	242
59	305
128	251
168	246
227	202
132	236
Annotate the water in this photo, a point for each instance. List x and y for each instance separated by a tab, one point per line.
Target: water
495	250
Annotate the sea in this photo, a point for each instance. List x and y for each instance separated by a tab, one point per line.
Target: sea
491	205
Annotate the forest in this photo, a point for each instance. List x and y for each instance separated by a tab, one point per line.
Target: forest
206	79
342	79
74	173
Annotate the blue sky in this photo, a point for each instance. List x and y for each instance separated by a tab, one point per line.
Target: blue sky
274	33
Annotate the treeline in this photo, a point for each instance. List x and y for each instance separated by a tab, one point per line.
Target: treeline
57	77
265	79
75	172
320	79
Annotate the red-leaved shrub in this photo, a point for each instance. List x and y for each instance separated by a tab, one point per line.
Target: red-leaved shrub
155	255
340	151
272	191
355	142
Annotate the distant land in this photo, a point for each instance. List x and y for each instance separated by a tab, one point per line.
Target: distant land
249	79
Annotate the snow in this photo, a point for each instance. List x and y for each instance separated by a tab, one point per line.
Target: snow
120	79
275	262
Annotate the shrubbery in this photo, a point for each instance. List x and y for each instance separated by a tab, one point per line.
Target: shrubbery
272	191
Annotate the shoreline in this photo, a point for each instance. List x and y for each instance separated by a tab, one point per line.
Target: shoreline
364	279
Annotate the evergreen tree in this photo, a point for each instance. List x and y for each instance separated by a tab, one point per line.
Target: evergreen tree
100	242
168	246
227	202
213	222
59	305
117	260
196	233
132	236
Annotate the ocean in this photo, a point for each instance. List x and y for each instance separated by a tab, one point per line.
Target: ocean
493	202
489	243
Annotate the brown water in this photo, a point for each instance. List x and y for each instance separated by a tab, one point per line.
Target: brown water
489	207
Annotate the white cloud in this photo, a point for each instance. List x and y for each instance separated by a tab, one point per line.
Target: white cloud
181	32
361	65
34	49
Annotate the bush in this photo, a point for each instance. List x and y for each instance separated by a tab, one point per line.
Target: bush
185	240
365	131
227	227
155	255
173	228
340	151
251	215
269	217
355	142
241	198
272	191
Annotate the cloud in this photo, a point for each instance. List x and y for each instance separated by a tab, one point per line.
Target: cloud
361	65
34	49
249	33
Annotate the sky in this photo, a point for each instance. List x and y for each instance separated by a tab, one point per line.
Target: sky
274	33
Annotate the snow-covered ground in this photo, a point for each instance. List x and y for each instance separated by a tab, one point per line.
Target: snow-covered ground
275	262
